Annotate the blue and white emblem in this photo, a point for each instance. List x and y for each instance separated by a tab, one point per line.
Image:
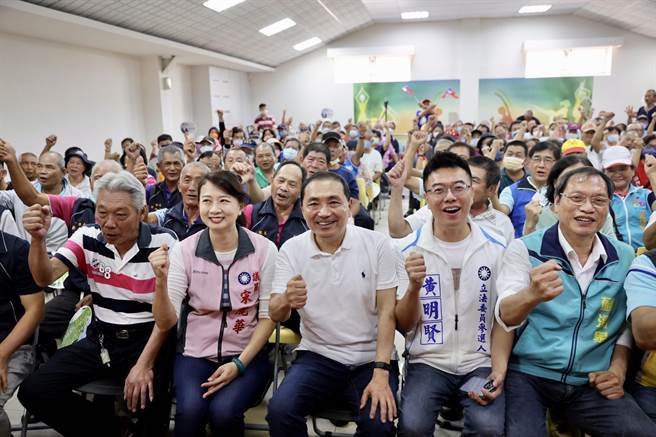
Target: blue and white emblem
484	273
244	278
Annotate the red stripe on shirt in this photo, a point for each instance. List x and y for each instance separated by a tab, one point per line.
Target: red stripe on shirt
137	286
78	252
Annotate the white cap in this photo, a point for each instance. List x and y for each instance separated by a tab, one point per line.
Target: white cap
616	155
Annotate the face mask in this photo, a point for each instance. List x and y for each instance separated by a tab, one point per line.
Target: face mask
644	126
459	129
206	149
571	136
474	142
367	144
237	143
324	130
544	138
512	163
353	133
289	153
282	133
391	130
613	138
375	141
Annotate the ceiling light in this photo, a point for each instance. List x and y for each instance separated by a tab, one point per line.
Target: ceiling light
414	15
534	9
307	44
221	5
278	26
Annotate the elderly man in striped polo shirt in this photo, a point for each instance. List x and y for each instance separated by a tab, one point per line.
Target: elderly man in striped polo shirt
123	341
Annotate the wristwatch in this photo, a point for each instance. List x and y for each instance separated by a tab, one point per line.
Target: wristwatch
381	365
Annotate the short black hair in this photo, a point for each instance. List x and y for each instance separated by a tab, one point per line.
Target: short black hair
207	154
326	176
444	160
561	184
319	148
492	171
472	150
130	140
294	163
226	181
164	137
559	167
545	145
517	143
262	105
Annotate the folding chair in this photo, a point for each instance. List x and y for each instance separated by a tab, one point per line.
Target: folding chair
334	413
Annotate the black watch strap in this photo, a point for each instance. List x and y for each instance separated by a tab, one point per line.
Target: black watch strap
381	365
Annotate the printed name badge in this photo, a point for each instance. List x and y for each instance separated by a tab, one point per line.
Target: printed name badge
431	311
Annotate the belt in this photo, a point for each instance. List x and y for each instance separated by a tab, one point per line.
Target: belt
120	332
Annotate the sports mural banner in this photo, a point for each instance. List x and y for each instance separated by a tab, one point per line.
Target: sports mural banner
507	99
403	101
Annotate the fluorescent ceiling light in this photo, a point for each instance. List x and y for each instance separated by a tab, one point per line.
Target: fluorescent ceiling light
307	44
221	5
534	9
278	26
414	15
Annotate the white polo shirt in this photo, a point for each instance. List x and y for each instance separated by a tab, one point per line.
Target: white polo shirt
340	318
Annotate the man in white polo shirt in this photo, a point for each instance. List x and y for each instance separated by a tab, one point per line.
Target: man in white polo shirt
123	341
342	280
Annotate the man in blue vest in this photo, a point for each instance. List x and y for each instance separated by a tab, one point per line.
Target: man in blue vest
514	198
561	290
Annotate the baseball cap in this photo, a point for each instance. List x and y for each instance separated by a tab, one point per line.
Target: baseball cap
573	145
616	155
588	127
573	126
331	135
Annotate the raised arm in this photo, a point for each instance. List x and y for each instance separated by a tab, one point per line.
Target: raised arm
45	270
23	187
398	226
51	140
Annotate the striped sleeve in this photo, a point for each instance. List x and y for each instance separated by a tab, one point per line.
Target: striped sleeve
72	252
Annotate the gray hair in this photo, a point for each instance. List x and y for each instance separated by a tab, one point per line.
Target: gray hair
114	167
171	150
196	164
124	182
60	159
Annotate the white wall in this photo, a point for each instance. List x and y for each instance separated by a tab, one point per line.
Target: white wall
463	49
82	95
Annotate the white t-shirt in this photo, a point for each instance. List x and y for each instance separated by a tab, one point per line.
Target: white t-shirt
373	160
455	256
340	318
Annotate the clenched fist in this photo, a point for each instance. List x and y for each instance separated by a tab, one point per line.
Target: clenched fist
296	292
36	221
416	268
159	261
545	281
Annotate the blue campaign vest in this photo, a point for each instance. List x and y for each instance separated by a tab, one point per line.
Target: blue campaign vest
572	335
632	214
157	199
522	193
265	222
176	221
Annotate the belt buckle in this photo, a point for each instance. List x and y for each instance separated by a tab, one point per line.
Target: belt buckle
122	334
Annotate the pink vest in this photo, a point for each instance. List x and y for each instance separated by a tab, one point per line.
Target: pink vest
220	312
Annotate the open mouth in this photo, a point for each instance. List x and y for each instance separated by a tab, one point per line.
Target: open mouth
452	210
584	220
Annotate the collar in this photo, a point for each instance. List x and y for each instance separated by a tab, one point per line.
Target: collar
428	241
347	243
178	212
550	247
488	214
3	247
632	189
205	250
143	240
597	249
270	209
164	188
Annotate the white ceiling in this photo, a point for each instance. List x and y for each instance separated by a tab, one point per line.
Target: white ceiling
234	32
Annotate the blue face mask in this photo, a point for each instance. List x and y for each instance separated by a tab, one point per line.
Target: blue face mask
474	142
353	133
367	144
282	133
289	153
613	138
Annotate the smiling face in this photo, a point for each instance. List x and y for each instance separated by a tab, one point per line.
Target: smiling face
286	186
170	167
588	218
621	175
326	208
233	156
218	209
315	162
449	209
264	157
118	220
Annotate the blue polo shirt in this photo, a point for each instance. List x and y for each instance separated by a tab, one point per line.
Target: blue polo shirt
16	281
348	176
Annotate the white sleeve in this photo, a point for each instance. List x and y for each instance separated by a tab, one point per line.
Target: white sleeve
7	199
652	219
160	215
378	163
387	265
514	276
284	270
8	224
266	280
625	338
506	198
177	278
421	216
402	274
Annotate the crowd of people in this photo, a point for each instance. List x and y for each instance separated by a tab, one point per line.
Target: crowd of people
521	276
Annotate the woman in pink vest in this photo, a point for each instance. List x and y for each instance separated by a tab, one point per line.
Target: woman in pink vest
216	285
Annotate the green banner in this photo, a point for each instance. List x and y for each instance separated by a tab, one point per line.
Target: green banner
507	99
403	100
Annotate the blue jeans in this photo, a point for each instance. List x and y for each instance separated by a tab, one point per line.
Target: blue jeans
582	406
645	397
315	381
427	389
224	409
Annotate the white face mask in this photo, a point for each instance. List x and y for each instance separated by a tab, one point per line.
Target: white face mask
512	163
289	153
613	138
570	136
237	142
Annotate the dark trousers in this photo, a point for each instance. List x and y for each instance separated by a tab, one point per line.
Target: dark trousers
48	392
363	219
224	409
58	313
528	397
315	381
